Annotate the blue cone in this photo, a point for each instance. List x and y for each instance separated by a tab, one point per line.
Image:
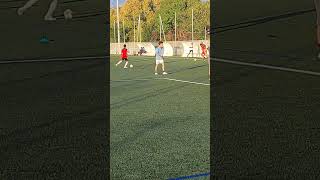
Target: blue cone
44	40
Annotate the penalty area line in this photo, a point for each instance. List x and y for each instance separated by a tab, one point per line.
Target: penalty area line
168	79
130	80
284	69
178	80
12	61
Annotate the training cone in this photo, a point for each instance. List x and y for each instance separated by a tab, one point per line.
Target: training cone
44	40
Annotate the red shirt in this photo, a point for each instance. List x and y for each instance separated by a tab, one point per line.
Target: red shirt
203	47
124	53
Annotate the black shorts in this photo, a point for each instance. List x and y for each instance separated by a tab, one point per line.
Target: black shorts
124	59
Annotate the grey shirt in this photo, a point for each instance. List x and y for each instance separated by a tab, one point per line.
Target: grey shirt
159	53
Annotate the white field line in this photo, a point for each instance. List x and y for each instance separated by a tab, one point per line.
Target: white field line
12	61
130	80
190	82
52	59
268	67
168	79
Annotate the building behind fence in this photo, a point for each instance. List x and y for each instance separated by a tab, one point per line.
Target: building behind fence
172	48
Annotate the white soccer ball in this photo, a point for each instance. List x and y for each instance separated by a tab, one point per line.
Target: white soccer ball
131	65
67	14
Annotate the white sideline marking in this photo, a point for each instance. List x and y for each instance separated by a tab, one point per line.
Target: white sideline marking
177	80
52	59
268	67
130	80
190	82
12	61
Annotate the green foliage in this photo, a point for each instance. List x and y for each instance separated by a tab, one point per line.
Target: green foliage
149	11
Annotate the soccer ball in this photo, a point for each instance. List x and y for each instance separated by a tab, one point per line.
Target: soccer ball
67	14
131	65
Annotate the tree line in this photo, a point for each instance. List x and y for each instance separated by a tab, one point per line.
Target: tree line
149	11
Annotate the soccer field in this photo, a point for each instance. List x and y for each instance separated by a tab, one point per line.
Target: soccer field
266	90
160	125
53	122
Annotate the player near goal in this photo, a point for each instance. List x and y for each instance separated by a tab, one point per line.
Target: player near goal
124	56
190	50
203	50
159	58
209	61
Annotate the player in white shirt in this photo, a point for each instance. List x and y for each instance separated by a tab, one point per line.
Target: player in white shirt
159	58
190	50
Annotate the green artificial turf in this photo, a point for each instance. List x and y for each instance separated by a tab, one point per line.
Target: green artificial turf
160	129
266	121
84	35
53	122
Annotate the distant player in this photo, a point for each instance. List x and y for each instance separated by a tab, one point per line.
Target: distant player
49	14
124	56
159	58
190	50
209	61
317	5
203	50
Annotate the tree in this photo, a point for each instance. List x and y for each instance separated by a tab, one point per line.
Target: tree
149	11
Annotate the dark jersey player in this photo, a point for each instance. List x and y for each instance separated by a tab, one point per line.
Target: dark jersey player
124	56
190	50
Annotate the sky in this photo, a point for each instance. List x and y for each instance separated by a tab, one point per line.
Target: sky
113	3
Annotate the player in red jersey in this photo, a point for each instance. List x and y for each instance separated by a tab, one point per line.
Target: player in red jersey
124	56
204	50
